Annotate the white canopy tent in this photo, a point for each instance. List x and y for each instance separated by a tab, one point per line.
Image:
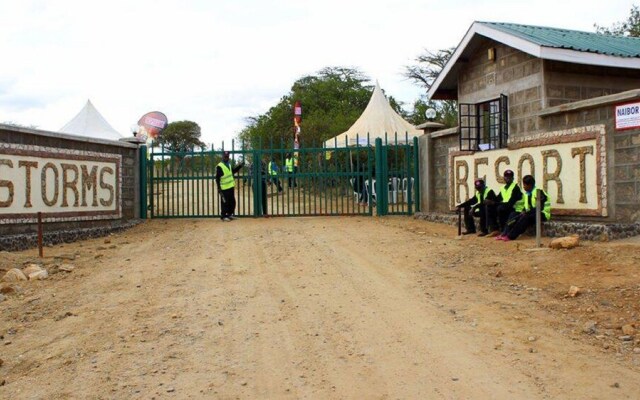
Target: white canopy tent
376	120
90	123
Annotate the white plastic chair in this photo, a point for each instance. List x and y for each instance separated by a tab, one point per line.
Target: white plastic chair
394	185
356	195
405	189
371	191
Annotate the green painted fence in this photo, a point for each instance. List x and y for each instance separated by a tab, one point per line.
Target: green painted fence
364	179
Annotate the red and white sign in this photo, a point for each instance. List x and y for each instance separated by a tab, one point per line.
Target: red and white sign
628	116
151	125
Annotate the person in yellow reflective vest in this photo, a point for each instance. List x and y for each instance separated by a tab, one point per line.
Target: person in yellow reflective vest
291	168
273	174
508	200
226	184
520	222
482	205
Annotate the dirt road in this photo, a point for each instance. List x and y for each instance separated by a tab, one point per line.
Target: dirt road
320	308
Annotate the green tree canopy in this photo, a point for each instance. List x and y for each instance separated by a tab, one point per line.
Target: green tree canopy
424	73
630	27
332	100
181	136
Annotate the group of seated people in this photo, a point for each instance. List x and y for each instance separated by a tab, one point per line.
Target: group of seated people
507	215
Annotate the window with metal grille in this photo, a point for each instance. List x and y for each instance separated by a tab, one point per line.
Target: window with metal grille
483	126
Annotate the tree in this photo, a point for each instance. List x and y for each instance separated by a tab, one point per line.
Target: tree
424	74
332	100
630	27
181	136
17	125
446	111
428	67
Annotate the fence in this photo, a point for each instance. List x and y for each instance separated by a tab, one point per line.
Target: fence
316	181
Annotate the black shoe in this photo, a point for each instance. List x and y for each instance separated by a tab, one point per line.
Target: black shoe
468	232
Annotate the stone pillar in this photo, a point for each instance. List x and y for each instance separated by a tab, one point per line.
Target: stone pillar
136	172
425	145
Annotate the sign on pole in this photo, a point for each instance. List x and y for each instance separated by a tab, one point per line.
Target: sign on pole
151	125
297	121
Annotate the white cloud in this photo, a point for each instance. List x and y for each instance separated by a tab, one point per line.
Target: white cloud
217	63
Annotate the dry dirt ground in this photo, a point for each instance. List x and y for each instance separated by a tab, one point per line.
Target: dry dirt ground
321	308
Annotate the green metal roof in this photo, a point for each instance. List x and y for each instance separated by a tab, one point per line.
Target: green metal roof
617	46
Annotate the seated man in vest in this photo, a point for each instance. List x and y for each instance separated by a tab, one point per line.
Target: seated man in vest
520	222
481	205
226	184
509	200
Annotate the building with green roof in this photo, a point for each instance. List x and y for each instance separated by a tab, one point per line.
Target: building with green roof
554	103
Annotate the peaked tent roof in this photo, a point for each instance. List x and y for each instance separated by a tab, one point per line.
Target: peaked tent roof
376	120
547	43
90	123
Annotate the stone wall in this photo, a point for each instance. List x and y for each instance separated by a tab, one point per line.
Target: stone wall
626	175
16	140
586	231
621	166
623	148
440	167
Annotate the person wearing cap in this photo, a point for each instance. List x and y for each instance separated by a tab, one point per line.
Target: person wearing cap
509	200
527	217
226	184
481	205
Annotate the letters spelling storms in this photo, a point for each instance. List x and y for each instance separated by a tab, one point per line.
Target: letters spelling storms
63	183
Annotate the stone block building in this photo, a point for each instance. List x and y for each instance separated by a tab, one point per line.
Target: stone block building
558	104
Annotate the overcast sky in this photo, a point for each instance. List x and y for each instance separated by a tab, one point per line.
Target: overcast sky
217	62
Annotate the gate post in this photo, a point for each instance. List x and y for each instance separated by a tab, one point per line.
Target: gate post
416	179
256	185
142	155
381	185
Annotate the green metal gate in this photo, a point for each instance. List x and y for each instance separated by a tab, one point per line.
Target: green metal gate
360	180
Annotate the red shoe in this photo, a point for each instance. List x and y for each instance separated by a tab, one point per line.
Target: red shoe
499	237
506	239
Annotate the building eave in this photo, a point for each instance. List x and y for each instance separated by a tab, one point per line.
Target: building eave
526	46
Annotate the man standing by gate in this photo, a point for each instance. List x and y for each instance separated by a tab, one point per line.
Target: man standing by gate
290	165
273	174
226	184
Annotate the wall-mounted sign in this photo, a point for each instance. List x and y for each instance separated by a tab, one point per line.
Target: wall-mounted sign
628	116
572	173
62	184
